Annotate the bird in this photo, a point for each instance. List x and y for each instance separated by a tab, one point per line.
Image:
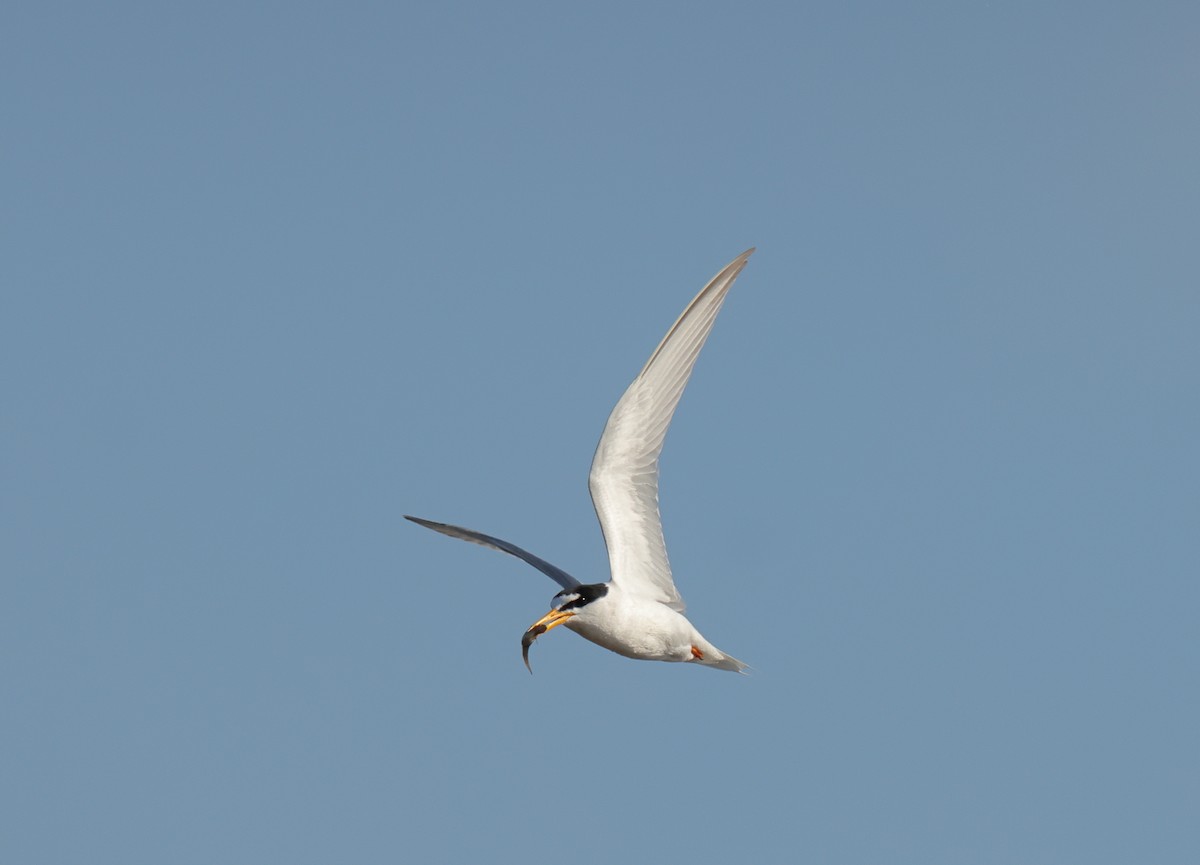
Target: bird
638	612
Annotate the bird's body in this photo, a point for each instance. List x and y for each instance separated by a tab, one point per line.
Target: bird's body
645	631
639	612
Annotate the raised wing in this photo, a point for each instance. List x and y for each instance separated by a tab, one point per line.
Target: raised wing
624	476
557	574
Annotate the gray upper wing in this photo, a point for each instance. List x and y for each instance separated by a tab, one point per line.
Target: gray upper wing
557	574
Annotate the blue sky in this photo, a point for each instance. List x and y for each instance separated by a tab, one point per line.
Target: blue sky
276	274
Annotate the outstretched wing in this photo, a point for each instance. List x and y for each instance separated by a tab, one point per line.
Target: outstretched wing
624	476
557	574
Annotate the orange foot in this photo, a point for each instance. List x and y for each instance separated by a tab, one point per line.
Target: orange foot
697	654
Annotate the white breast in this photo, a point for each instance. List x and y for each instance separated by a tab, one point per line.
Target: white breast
636	627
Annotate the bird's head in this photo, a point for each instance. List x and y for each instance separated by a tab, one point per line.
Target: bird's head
566	605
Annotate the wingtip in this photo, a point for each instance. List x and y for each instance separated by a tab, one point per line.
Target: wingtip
738	263
743	258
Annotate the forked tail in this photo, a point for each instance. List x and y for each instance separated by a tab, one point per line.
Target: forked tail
711	656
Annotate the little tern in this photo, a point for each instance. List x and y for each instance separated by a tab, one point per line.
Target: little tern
638	613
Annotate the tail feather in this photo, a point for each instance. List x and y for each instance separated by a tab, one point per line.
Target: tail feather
718	659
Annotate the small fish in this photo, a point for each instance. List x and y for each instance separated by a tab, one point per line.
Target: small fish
527	641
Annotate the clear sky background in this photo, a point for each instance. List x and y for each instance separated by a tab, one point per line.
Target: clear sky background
274	275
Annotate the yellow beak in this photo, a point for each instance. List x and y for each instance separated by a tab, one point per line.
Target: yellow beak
551	620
